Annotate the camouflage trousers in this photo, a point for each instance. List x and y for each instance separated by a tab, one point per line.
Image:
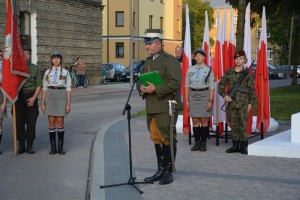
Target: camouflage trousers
237	118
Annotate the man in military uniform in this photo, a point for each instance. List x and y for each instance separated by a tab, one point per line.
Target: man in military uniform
157	108
240	103
27	109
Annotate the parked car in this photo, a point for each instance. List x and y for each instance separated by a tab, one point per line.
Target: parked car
134	69
114	71
290	69
274	72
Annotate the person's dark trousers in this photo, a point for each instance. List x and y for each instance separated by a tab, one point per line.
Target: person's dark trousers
235	147
26	116
52	136
197	133
0	142
204	135
167	174
160	166
81	80
60	135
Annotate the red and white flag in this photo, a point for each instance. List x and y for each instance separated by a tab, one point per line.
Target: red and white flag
15	70
231	44
186	63
224	42
247	49
262	80
219	115
206	43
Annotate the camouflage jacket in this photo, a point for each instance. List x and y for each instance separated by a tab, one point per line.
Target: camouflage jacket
244	95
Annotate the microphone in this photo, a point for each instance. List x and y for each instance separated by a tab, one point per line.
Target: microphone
138	67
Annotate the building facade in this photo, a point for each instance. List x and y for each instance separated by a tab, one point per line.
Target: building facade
124	26
72	27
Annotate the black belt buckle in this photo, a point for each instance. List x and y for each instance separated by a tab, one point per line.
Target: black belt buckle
200	89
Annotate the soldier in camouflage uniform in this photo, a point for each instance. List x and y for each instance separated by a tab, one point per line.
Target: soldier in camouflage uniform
157	108
240	104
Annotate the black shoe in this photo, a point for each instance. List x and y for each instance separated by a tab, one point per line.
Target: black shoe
157	176
53	147
202	146
60	147
21	149
243	147
196	147
167	177
234	148
29	147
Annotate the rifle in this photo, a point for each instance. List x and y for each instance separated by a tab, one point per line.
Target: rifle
236	86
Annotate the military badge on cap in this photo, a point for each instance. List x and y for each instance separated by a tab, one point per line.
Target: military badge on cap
152	35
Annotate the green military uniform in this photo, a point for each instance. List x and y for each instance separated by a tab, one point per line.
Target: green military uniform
26	116
237	112
156	103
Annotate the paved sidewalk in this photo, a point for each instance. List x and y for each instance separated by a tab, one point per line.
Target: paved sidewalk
200	175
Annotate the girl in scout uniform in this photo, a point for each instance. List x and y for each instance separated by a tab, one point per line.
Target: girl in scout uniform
199	90
56	100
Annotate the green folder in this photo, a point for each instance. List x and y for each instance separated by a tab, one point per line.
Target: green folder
151	77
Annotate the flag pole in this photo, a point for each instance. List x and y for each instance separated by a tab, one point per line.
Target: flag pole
15	129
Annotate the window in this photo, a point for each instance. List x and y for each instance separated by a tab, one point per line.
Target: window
161	24
269	54
119	18
133	19
133	50
150	21
120	50
25	26
258	32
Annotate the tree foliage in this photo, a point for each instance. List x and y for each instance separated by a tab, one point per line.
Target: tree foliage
197	20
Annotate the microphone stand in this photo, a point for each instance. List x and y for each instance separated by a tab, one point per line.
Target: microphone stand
132	179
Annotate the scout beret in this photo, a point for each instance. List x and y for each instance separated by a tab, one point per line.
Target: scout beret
200	51
239	54
56	54
152	35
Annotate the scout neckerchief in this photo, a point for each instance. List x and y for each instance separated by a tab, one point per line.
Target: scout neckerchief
55	77
197	77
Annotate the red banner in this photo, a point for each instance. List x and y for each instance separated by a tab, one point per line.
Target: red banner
15	69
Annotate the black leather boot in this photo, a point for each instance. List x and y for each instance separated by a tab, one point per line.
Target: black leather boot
167	177
53	143
0	143
243	147
234	148
21	147
204	134
29	147
60	135
160	166
197	133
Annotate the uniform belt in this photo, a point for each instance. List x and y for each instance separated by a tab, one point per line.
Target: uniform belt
27	91
199	89
56	88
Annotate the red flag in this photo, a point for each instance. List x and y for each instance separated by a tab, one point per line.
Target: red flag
262	80
247	49
186	62
15	70
219	115
231	45
206	43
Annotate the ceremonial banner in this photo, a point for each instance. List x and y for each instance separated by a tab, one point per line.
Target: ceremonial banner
231	45
15	70
186	63
247	49
219	115
262	80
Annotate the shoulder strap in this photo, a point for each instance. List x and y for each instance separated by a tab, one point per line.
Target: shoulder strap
208	74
